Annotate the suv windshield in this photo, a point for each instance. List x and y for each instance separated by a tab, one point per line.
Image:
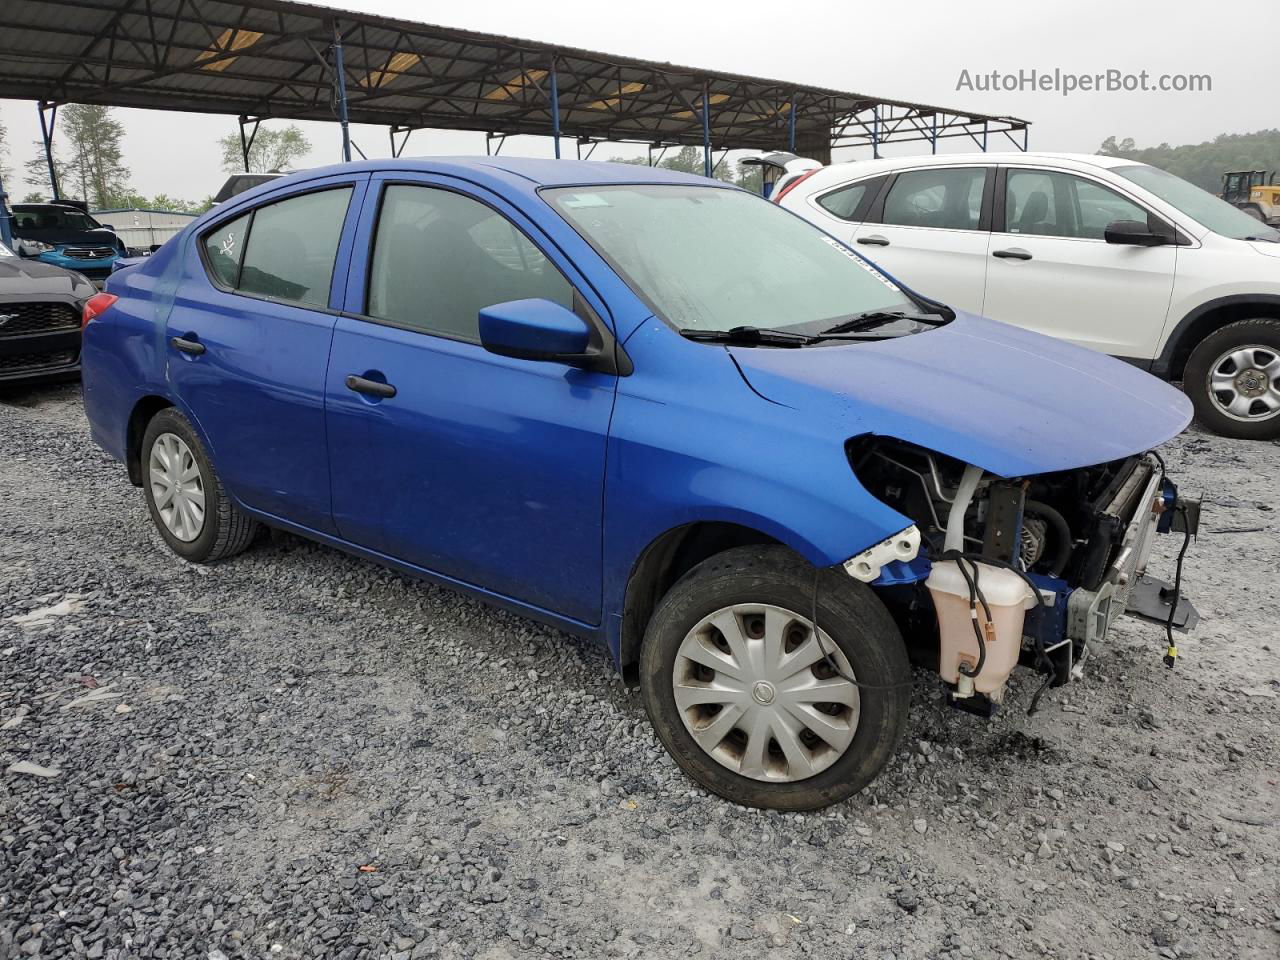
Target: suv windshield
715	259
1201	206
54	218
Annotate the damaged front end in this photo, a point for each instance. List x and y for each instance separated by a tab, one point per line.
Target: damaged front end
999	571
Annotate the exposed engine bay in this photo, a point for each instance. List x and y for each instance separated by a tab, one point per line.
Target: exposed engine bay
1031	570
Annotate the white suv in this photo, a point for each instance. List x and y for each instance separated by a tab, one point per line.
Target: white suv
1107	253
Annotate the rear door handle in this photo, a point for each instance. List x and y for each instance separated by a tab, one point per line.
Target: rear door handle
193	347
374	388
875	241
1014	254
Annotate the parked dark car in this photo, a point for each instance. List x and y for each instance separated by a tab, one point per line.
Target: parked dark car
63	234
40	310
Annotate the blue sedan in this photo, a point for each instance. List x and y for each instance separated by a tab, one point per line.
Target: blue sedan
651	409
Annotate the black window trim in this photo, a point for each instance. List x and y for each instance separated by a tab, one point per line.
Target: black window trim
1155	222
203	253
602	337
876	213
873	183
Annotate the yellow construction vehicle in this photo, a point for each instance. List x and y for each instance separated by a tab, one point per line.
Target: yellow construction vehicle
1256	192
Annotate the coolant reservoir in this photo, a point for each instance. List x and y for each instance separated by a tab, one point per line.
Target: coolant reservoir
1008	597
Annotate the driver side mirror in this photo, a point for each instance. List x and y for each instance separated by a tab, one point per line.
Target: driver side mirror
1134	233
106	226
537	329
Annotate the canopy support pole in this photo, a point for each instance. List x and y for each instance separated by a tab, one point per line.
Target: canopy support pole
555	107
875	132
246	143
707	167
6	228
397	149
791	123
46	134
340	92
933	134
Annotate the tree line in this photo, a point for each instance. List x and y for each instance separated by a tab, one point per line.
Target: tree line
1204	163
88	160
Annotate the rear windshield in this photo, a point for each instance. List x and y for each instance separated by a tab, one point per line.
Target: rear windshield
1201	206
708	258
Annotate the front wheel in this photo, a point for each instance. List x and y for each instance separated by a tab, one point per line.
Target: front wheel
1233	379
758	705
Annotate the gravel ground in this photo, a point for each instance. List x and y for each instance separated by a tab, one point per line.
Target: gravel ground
300	754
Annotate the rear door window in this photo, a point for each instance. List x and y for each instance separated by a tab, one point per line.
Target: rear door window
944	199
283	250
292	247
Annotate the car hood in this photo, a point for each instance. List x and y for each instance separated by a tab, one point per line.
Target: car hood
20	277
1007	400
1266	248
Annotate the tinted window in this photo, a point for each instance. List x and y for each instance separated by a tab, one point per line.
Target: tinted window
1041	203
844	203
224	248
54	218
439	257
943	199
292	246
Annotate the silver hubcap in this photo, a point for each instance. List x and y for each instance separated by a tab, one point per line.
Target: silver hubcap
757	694
176	487
1245	383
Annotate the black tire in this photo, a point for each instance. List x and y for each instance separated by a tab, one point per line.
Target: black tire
225	531
1261	332
848	611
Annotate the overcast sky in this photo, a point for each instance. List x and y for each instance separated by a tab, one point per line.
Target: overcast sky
907	49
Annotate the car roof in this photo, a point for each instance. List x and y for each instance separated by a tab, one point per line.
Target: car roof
854	169
527	173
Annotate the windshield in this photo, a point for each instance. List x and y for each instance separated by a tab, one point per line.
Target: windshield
1201	206
707	258
53	218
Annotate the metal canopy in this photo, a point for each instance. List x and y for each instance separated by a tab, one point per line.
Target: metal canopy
277	59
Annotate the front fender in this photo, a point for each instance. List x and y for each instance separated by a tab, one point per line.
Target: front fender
691	442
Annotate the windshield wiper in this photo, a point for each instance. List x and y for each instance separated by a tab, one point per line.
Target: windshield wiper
1264	239
878	318
748	335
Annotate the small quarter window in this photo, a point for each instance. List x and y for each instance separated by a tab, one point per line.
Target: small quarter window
224	249
844	203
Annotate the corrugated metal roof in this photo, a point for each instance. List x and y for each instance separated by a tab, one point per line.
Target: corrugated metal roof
270	58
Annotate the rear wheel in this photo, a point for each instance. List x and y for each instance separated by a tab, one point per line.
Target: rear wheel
186	500
755	703
1233	379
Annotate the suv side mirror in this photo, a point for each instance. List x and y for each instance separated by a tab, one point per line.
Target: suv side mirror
1134	233
106	226
537	329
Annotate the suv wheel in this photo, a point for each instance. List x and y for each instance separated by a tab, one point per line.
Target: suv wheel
1233	379
191	510
742	691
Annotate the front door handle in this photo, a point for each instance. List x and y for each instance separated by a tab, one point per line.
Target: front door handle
1014	254
193	347
875	240
374	388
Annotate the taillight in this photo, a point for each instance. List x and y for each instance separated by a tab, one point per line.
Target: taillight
95	306
777	198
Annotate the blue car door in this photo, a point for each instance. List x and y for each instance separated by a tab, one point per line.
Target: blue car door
248	342
485	469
